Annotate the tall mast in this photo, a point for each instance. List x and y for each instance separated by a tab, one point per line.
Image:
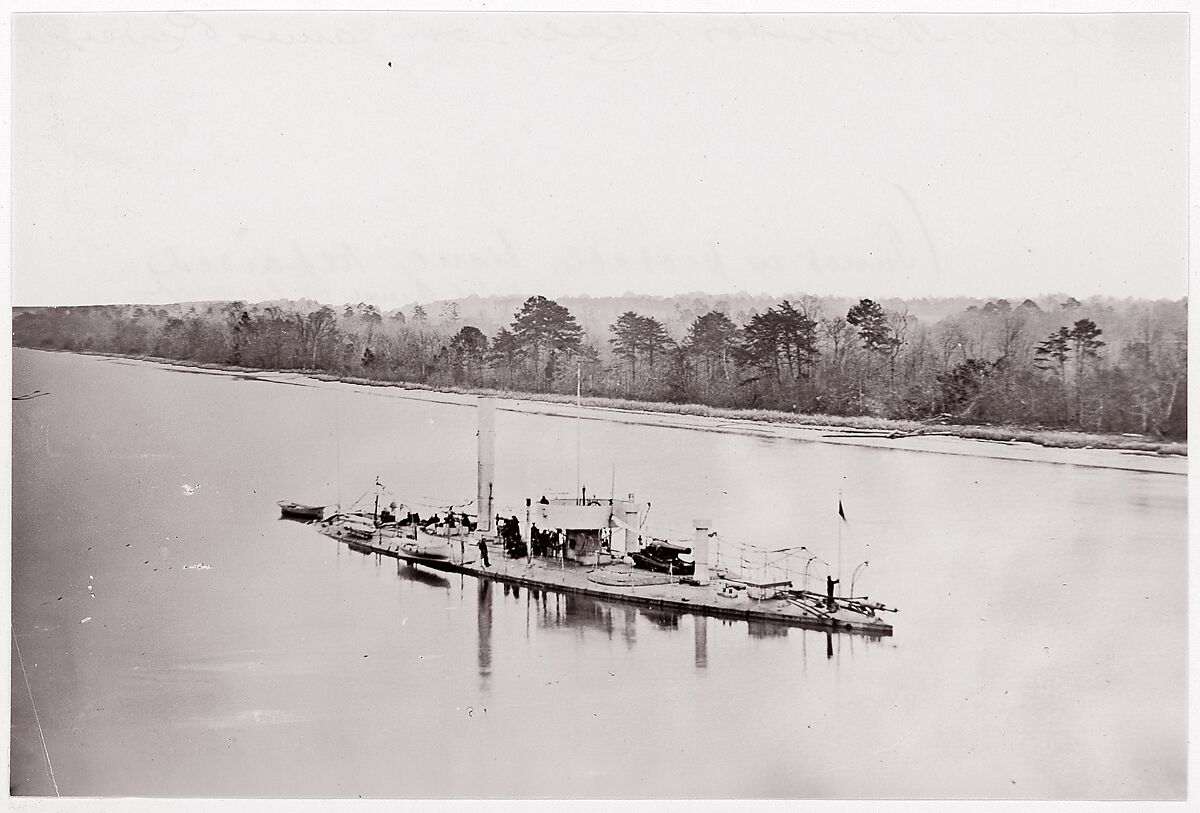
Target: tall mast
337	440
840	520
578	420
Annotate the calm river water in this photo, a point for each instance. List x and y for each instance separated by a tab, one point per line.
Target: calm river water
1040	649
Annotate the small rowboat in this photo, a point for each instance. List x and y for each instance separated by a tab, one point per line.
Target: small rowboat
431	546
294	510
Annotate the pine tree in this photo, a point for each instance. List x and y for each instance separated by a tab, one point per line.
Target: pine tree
625	341
1085	341
543	326
505	352
1055	351
871	320
636	336
468	350
711	338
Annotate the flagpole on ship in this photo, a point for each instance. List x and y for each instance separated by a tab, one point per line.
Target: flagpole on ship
841	519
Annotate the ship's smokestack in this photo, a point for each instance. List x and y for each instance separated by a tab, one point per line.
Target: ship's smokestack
631	526
487	462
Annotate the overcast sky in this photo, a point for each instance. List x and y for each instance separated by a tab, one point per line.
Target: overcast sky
408	157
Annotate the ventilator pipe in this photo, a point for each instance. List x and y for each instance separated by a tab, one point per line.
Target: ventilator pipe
809	562
854	576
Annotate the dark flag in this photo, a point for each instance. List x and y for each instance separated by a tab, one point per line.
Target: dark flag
841	511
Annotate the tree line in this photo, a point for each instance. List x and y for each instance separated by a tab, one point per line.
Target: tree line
1098	366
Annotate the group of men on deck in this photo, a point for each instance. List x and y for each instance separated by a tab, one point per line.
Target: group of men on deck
545	543
508	532
434	524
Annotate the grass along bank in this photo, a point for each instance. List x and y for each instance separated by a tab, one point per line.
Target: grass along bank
1051	438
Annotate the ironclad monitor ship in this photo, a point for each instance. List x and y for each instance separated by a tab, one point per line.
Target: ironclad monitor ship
599	547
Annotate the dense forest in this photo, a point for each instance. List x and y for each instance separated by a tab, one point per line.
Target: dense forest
1099	365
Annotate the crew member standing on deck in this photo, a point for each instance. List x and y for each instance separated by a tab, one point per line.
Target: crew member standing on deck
483	552
829	583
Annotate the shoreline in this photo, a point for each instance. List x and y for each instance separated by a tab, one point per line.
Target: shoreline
864	427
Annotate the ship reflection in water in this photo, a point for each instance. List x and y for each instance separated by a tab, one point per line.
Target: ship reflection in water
420	576
484	604
549	610
585	615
